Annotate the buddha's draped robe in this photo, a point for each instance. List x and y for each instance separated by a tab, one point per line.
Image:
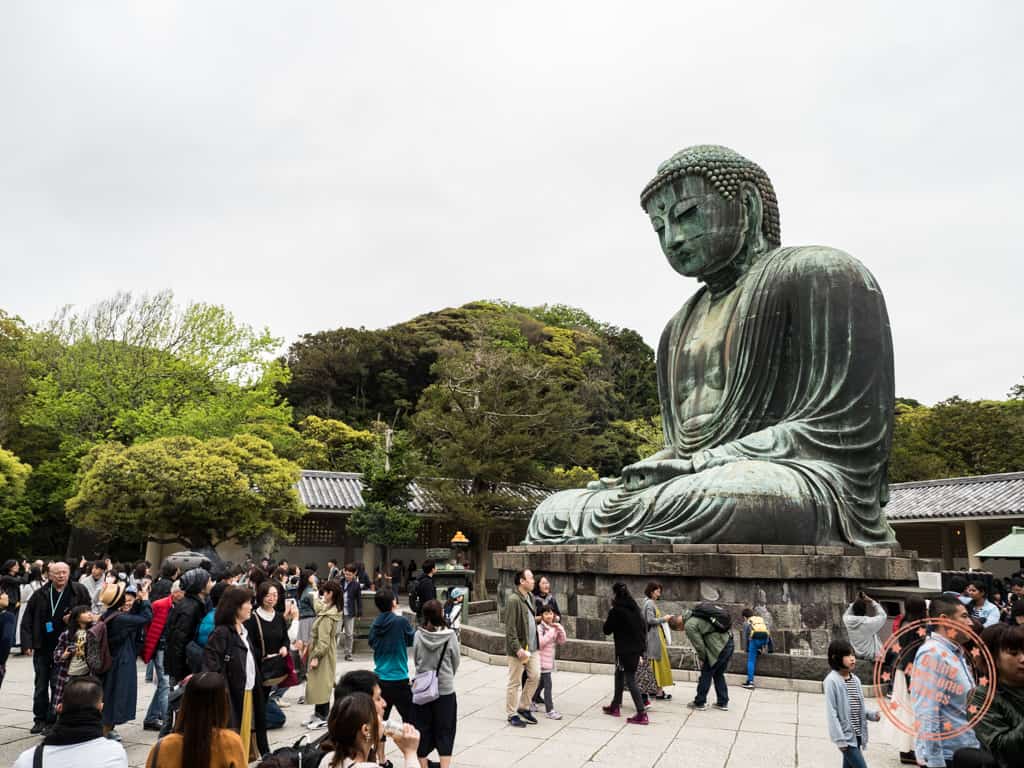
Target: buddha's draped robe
795	452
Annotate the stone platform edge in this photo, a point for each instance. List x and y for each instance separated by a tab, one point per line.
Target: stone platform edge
485	638
742	561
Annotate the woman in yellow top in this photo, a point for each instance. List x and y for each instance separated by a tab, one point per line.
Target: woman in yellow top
201	737
657	648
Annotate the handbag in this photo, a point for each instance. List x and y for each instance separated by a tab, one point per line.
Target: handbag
273	667
424	684
645	679
292	678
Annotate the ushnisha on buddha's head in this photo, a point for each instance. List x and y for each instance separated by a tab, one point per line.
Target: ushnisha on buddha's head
714	212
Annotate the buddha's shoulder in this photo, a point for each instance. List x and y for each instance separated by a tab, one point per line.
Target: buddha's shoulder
800	262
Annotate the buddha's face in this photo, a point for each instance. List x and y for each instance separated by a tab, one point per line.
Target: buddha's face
700	231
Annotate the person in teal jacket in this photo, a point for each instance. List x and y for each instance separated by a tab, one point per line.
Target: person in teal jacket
391	634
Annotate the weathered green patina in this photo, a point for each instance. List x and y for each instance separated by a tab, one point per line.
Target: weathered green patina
775	381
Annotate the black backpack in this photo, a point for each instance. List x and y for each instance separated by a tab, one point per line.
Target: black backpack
715	615
415	598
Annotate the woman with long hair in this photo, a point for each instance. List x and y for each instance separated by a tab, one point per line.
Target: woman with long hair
355	730
657	647
323	654
201	737
305	593
232	652
626	624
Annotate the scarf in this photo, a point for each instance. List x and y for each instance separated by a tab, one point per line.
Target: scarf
76	726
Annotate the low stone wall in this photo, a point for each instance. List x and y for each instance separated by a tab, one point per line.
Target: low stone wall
774	670
801	591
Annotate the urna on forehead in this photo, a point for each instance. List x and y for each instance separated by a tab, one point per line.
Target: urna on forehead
725	169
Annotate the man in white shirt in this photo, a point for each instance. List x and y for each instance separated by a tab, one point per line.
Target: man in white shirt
77	739
979	606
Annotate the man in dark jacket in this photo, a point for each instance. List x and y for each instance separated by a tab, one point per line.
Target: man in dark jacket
183	621
162	586
352	607
425	589
45	618
391	634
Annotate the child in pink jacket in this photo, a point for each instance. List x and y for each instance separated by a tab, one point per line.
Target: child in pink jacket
549	634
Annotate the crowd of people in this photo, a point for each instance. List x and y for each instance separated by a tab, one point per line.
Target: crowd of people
939	679
222	644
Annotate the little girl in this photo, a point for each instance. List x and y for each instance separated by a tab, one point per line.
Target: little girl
453	609
844	705
549	634
77	653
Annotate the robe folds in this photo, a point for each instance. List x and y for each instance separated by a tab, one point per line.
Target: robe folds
796	450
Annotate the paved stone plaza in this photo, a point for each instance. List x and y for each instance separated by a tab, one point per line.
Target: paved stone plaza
774	729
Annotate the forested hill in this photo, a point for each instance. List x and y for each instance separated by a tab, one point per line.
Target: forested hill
356	375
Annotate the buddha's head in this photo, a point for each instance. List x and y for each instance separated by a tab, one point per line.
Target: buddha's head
714	211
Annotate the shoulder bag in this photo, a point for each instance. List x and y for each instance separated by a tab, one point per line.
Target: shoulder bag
424	684
273	667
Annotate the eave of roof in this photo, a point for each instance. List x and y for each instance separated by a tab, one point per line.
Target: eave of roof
957	498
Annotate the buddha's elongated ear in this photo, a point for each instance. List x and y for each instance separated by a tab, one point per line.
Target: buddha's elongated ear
753	214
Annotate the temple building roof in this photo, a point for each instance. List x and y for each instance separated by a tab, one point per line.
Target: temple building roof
957	498
342	492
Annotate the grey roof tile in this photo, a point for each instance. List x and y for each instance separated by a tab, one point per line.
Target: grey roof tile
957	498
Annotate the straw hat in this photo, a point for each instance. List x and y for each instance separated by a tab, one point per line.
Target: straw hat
111	594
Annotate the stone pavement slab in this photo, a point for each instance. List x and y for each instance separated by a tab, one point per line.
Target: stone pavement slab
777	729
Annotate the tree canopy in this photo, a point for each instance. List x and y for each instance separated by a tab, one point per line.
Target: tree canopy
203	491
15	515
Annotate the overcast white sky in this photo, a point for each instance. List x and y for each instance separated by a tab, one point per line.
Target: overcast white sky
312	165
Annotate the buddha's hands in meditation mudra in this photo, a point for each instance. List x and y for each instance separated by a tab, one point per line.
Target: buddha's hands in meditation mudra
654	470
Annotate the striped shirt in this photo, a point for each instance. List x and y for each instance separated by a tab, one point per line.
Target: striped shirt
856	707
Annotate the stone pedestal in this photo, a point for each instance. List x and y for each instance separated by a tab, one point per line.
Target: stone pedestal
801	590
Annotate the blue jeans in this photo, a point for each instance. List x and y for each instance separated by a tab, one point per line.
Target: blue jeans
716	673
753	649
158	706
853	758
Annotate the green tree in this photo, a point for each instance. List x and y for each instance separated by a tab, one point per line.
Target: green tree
384	518
496	417
15	515
333	445
13	372
137	368
201	492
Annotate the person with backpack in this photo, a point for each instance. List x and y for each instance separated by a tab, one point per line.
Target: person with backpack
424	590
390	635
453	608
128	613
435	652
755	637
182	623
707	628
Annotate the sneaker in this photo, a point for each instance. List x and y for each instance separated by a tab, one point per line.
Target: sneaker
37	727
527	715
348	657
613	711
152	725
114	735
534	706
723	707
516	722
640	718
554	714
316	723
302	700
749	685
699	707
